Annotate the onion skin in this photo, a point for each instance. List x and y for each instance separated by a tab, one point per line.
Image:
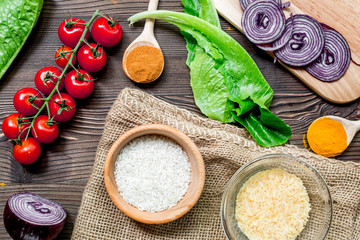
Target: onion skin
285	5
20	229
245	3
334	59
263	21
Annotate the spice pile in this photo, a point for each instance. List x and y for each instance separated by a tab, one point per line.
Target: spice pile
144	64
152	173
327	137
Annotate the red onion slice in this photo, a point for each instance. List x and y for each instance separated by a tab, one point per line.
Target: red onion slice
305	44
334	60
245	3
283	40
29	216
263	21
285	5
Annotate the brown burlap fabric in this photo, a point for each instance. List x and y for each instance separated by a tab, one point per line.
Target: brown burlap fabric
224	148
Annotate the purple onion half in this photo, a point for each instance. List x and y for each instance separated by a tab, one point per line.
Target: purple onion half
263	21
306	42
30	216
334	59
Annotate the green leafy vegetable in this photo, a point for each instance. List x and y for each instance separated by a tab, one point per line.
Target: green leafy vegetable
227	84
206	79
203	9
17	19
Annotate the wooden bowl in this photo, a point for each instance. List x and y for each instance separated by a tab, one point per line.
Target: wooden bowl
197	174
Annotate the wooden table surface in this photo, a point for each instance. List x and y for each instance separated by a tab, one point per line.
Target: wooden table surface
66	164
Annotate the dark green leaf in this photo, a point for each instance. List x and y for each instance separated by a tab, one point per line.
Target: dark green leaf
267	129
17	19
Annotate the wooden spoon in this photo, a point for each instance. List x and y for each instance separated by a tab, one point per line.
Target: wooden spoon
351	127
146	38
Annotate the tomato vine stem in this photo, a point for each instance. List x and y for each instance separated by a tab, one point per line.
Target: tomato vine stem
61	77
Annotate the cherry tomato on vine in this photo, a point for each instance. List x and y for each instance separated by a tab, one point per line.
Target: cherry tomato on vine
62	56
10	126
24	100
106	31
44	130
70	33
62	108
90	62
79	84
28	151
46	79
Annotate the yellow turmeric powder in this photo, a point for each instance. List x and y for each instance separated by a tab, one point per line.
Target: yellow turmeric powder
327	137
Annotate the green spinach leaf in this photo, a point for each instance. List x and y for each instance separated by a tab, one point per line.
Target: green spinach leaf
227	84
17	19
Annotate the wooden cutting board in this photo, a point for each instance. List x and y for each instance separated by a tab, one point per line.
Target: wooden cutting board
339	14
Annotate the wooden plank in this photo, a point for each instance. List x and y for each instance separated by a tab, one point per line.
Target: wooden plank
65	165
344	90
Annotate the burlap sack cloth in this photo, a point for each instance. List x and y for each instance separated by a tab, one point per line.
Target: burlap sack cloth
225	148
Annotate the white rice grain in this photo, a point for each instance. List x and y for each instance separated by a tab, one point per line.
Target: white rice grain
152	173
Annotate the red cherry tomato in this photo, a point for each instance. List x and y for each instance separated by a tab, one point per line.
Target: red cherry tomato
79	85
46	79
44	131
24	99
10	126
70	33
106	31
88	61
62	56
28	151
63	109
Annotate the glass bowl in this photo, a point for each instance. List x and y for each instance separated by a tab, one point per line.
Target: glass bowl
320	198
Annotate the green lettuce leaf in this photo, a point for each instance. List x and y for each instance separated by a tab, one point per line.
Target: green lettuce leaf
203	9
205	80
217	63
17	19
266	128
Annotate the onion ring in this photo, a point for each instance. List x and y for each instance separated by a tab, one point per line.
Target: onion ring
334	60
263	21
284	40
306	43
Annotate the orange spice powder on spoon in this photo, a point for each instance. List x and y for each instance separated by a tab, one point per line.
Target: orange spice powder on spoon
327	137
144	64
